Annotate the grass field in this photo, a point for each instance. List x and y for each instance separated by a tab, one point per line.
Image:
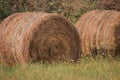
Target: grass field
87	69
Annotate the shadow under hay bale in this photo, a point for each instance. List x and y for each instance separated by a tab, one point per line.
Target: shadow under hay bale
100	32
35	36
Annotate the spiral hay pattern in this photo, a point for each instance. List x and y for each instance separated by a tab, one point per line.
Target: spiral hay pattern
36	36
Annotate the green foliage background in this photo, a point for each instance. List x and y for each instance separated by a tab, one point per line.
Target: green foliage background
72	9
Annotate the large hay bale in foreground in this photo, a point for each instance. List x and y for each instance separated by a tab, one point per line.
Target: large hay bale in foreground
35	36
100	32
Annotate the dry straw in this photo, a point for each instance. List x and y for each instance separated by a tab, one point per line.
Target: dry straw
36	36
100	32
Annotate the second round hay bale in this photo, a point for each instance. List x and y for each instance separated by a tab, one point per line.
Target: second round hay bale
100	32
36	36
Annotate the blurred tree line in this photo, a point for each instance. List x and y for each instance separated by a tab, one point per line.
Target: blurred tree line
72	9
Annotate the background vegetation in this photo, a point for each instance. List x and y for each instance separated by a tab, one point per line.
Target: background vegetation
72	9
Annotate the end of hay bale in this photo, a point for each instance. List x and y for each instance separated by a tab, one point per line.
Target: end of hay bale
34	36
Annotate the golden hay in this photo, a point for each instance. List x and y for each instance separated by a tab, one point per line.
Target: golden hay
100	32
35	36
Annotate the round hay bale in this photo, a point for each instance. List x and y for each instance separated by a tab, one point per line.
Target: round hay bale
100	32
36	36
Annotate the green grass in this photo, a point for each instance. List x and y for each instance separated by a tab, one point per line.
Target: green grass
86	69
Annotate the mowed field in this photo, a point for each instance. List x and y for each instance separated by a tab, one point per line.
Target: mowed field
86	69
